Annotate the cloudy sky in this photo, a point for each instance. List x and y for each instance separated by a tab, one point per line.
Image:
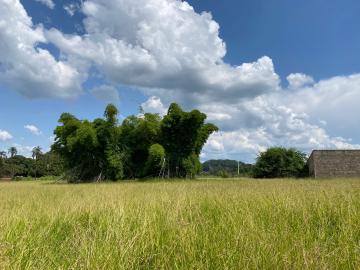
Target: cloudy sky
268	73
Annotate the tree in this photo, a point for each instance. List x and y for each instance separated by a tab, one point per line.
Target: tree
76	142
279	162
221	167
3	155
138	134
36	152
191	165
48	164
18	166
12	151
155	160
140	147
89	149
183	136
2	163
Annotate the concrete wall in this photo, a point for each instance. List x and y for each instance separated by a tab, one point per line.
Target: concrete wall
334	163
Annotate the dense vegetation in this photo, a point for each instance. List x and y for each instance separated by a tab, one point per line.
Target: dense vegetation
280	162
232	224
41	164
142	146
226	168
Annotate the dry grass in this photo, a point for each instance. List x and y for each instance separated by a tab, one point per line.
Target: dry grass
214	224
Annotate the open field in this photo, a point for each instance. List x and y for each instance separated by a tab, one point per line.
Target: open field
204	224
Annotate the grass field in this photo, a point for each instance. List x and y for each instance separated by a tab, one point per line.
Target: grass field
204	224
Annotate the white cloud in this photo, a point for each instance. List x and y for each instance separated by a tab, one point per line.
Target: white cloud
72	8
5	135
33	129
264	122
333	101
298	80
154	105
25	67
164	46
24	150
106	93
49	3
177	55
172	53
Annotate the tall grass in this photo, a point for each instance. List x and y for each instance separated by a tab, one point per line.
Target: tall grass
214	224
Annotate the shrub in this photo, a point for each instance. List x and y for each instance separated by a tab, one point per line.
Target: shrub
155	160
280	162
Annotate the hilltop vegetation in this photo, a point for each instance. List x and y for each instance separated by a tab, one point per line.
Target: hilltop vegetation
226	168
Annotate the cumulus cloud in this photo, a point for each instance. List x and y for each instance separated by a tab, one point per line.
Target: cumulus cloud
175	51
177	55
106	93
332	101
33	129
154	105
298	80
49	3
171	53
27	68
264	122
5	135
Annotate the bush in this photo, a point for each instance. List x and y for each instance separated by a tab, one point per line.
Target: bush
280	162
223	174
155	160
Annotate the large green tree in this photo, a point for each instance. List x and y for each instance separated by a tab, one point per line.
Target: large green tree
280	162
142	146
90	150
138	134
76	142
183	135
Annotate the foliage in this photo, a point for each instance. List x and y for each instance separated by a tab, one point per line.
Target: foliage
140	147
138	135
48	164
183	136
18	166
191	165
155	160
226	167
279	162
36	152
12	151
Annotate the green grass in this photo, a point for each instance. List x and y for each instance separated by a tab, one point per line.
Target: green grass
207	224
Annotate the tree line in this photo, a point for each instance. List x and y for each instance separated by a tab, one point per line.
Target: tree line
142	146
226	168
275	162
40	164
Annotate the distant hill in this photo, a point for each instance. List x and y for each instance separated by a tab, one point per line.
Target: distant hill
225	167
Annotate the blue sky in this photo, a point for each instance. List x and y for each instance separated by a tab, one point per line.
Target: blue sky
316	37
256	105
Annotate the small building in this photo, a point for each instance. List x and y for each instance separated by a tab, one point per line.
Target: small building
334	163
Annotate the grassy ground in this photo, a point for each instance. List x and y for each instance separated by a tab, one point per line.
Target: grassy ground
214	224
